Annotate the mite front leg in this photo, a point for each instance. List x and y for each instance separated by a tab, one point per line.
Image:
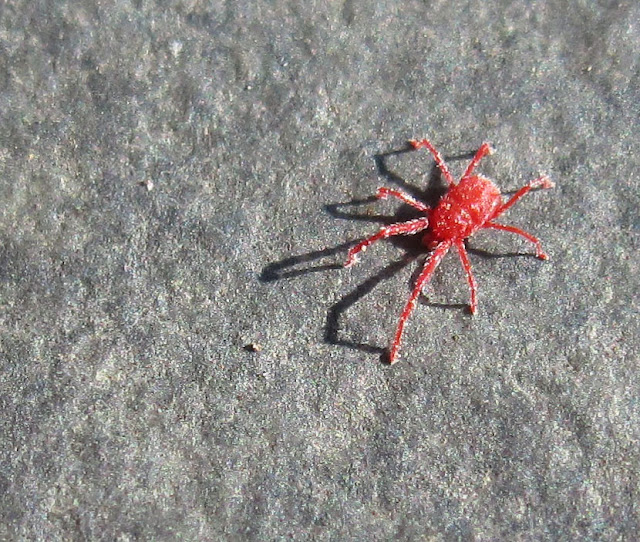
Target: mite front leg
402	228
438	158
483	151
540	182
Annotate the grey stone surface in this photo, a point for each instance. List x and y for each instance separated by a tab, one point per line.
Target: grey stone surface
182	356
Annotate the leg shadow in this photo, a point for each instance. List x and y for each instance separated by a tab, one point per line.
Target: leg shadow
279	270
332	327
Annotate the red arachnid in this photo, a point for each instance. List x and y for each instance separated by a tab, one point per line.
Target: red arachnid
471	204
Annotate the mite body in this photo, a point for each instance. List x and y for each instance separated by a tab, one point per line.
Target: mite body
471	204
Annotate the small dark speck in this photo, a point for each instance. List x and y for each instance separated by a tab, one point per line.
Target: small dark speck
253	347
147	183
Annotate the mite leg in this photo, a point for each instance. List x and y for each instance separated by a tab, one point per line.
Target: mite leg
484	149
429	267
402	228
512	229
438	157
540	182
383	193
466	264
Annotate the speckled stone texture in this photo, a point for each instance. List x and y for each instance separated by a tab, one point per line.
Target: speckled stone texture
182	354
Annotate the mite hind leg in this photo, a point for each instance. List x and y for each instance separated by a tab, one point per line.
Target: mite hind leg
402	228
429	267
512	229
466	265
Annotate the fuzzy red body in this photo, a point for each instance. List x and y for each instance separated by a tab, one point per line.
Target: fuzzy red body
463	210
469	205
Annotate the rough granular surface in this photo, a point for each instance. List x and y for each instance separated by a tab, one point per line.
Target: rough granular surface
183	355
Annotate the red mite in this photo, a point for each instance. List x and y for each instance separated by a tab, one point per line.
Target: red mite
468	206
